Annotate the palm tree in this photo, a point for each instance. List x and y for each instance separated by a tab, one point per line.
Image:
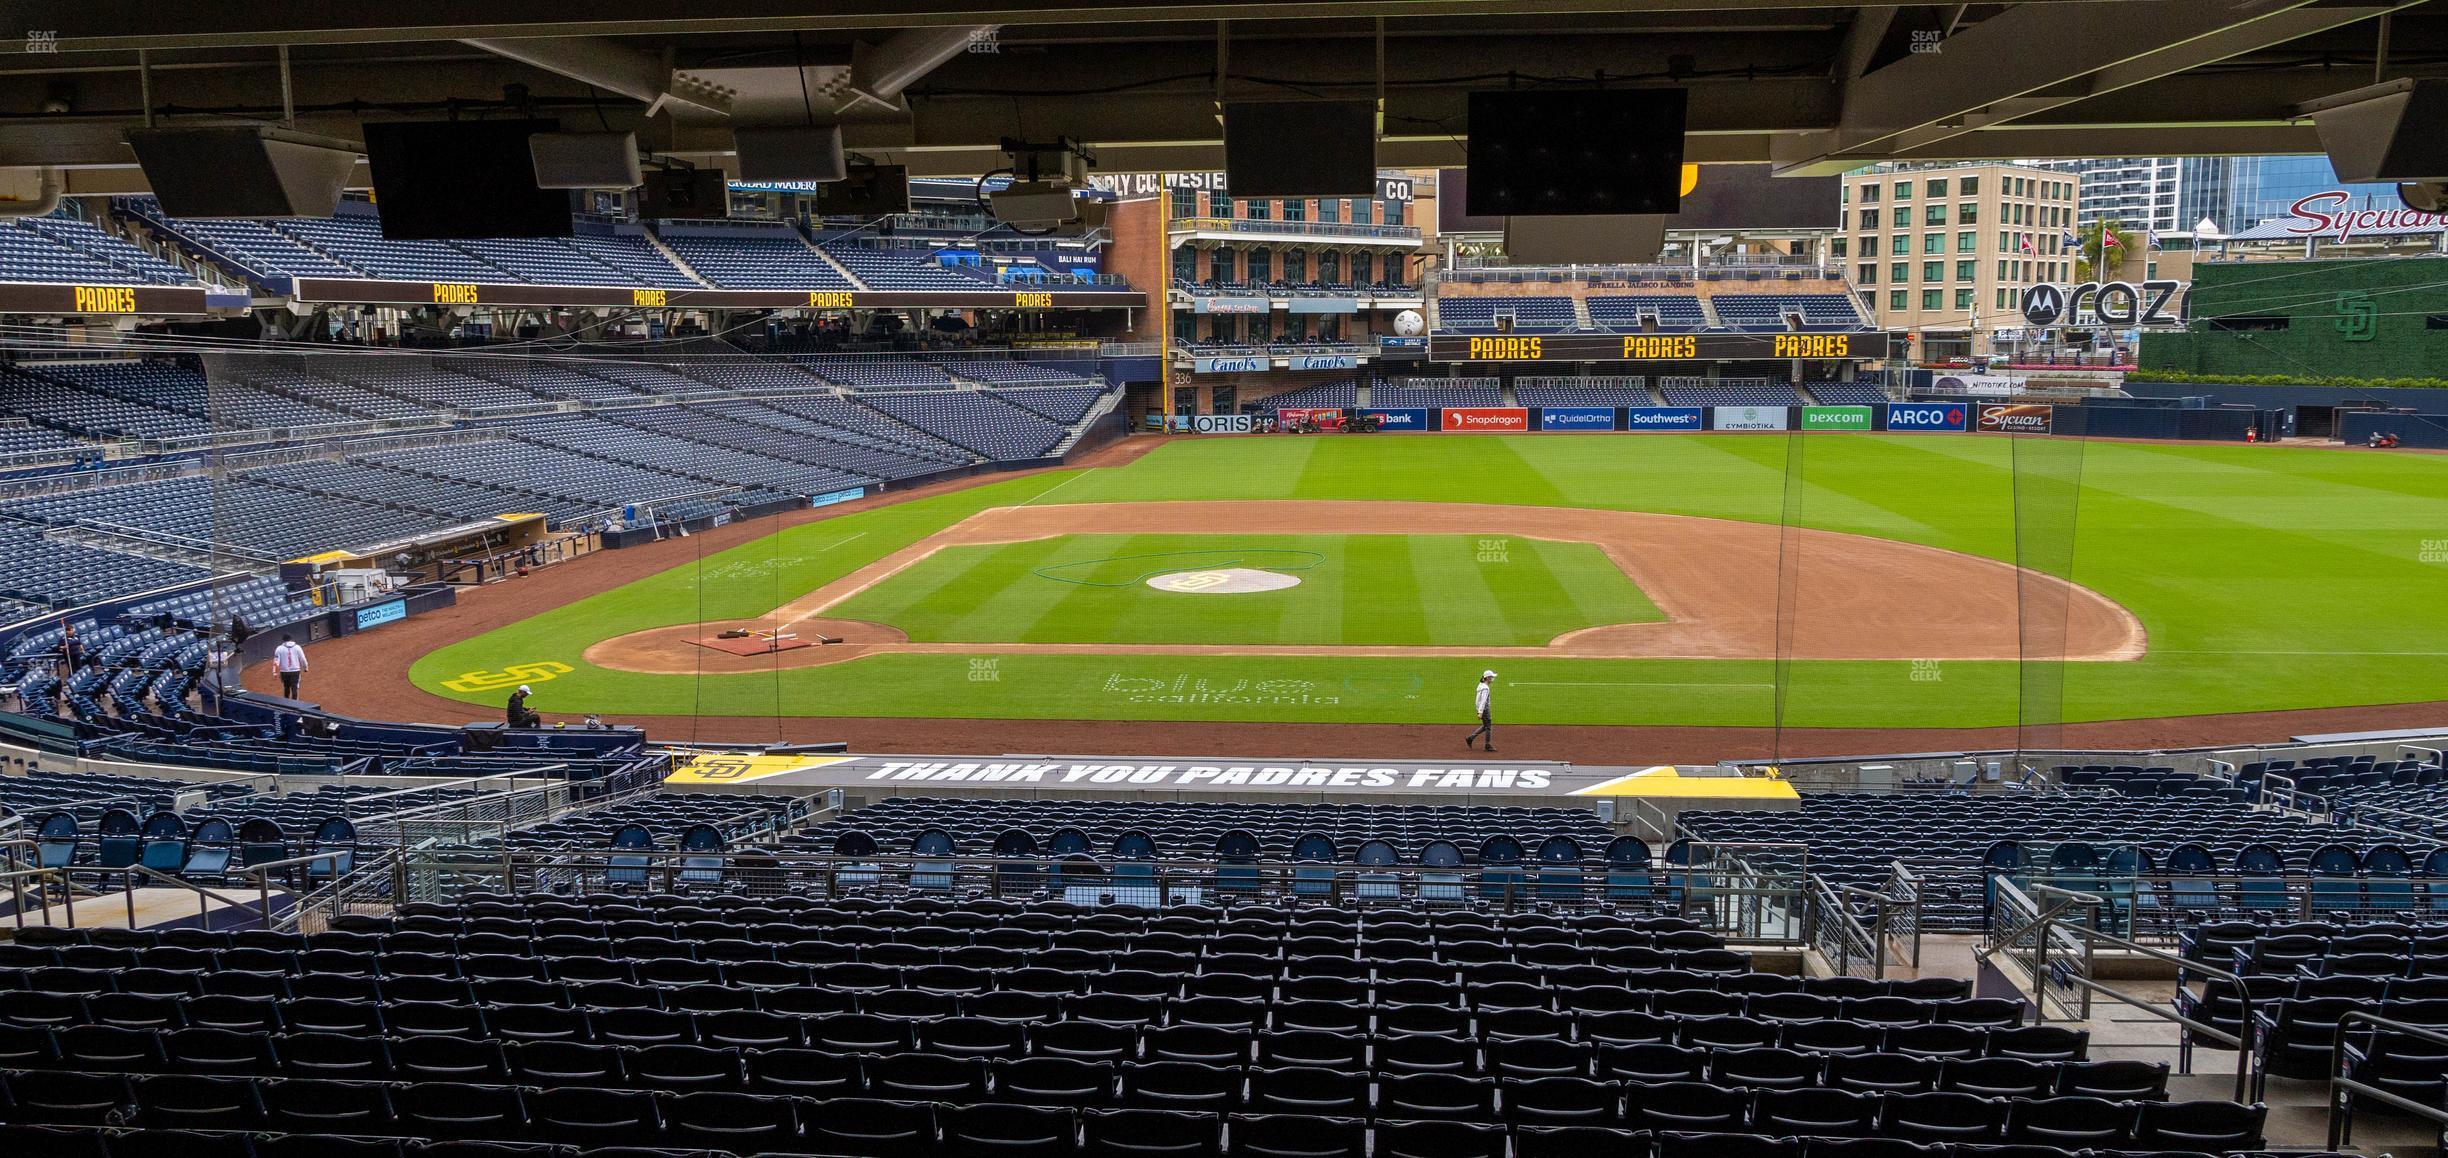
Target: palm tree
2088	262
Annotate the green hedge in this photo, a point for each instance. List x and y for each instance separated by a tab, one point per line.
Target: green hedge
2291	380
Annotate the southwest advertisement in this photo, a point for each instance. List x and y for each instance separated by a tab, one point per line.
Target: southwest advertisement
1665	418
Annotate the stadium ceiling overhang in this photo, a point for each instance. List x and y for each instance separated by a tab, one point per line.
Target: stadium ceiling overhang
1815	86
360	291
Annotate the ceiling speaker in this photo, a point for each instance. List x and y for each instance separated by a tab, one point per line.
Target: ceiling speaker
243	171
790	153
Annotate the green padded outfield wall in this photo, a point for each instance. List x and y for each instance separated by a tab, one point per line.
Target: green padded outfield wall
2347	318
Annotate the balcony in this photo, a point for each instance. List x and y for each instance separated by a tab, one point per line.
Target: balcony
1336	232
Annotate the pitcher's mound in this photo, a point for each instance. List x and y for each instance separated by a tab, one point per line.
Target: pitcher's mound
753	644
1223	581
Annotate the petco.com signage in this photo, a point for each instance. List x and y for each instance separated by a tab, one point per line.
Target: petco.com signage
1486	418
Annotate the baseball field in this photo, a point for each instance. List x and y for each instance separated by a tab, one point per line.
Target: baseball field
1848	581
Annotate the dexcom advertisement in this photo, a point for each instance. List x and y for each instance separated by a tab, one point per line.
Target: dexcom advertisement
1934	417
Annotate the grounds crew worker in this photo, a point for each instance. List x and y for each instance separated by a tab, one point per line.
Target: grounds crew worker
518	715
290	660
1486	706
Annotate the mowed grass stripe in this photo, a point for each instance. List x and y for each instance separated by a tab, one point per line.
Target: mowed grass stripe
1386	606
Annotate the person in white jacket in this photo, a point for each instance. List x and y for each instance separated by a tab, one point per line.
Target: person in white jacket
1485	703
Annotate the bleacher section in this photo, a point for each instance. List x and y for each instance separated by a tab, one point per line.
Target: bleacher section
894	267
1771	311
65	249
1727	392
1633	312
1436	392
1528	315
752	255
1846	393
1610	391
973	420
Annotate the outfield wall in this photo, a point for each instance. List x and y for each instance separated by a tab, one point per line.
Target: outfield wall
2146	419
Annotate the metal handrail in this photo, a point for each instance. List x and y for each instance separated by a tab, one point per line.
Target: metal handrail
131	872
2342	1088
2088	933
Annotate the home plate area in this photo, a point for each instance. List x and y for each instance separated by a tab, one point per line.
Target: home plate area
1222	581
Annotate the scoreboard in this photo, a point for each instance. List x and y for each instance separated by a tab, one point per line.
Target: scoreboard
1653	347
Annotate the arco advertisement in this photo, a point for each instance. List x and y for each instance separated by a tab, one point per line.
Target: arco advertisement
1483	418
1931	417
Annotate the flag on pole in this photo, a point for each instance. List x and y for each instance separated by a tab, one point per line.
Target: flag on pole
2108	239
2151	238
2068	239
2027	245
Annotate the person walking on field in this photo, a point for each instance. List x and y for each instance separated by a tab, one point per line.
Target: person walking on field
290	660
1485	703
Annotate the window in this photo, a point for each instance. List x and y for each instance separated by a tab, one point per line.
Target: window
1296	211
1844	195
1903	216
1836	246
1899	245
1937	187
1360	269
2001	299
1967	241
1395	211
1933	243
1220	266
1933	271
1963	299
2005	270
1898	300
1261	263
1967	270
1258	210
1330	212
1330	267
1185	263
1869	219
1967	186
1903	190
1932	299
1185	203
2005	242
1296	265
1967	213
1870	193
1866	273
1933	215
1900	272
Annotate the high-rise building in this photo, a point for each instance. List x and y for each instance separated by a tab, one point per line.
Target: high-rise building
2141	193
2237	193
1945	252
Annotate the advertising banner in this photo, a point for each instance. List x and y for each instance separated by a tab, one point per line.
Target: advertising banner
1221	423
1325	362
1998	385
1486	418
1576	418
841	496
1412	418
1323	417
1228	305
2017	418
1747	417
382	613
1307	305
1835	418
1928	416
1665	418
1653	347
1229	365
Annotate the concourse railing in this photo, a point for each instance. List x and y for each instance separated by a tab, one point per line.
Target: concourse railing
2345	1088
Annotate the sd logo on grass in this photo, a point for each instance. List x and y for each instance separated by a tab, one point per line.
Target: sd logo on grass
517	673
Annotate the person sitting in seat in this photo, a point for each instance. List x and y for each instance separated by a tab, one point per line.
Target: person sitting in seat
518	715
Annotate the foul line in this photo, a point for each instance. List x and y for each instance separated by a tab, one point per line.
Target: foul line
1625	684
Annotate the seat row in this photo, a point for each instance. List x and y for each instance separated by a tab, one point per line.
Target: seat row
1073	1077
744	1123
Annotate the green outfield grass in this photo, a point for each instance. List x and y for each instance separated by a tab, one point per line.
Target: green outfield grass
1354	589
2267	577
